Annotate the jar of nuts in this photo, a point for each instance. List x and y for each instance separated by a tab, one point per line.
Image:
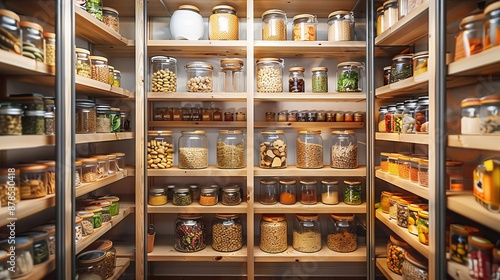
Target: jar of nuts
33	181
273	233
163	71
9	186
193	150
309	149
273	149
82	62
160	149
99	69
10	119
230	149
199	77
227	233
304	27
274	25
296	80
270	75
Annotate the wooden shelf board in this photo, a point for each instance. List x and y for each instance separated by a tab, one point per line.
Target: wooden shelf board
407	185
210	171
89	187
403	137
481	142
410	86
26	208
458	271
197	48
309	96
325	171
197	96
310	49
9	142
193	124
95	31
483	63
301	208
40	270
411	239
467	206
323	255
15	64
125	247
195	207
316	125
102	137
382	266
121	265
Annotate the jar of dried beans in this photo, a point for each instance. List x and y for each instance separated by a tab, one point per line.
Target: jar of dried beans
223	23
470	37
341	26
227	233
274	25
342	236
163	74
99	69
193	150
273	233
270	75
296	80
344	149
304	27
230	149
273	149
395	254
190	233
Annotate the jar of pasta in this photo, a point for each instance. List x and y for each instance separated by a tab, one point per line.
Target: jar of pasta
89	170
230	149
274	25
342	236
341	26
273	233
304	27
270	75
223	23
306	235
9	186
470	37
82	62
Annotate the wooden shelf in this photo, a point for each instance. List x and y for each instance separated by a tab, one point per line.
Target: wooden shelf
95	31
26	208
411	239
310	97
315	125
195	207
210	171
15	64
326	171
323	255
403	137
301	208
411	86
483	63
9	142
197	96
40	270
197	48
480	142
407	185
310	49
102	137
89	187
197	124
382	266
467	206
121	265
458	271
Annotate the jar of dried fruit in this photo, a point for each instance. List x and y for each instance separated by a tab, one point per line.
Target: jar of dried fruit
273	149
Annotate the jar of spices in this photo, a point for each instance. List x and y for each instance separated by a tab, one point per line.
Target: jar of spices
397	118
385	203
454	175
49	123
163	76
401	68
82	62
186	23
470	121
311	117
114	208
268	191
387	75
24	255
391	13
223	23
489	114
9	186
102	166
423	227
296	79
492	26
91	264
382	112
85	116
40	245
206	114
380	20
309	149
344	149
291	117
9	22
111	77
469	40
342	236
217	114
352	192
319	79
348	117
341	26
270	116
231	76
273	149
227	233
193	150
50	48
404	167
288	191
87	222
304	27
403	212
414	169
33	181
301	116
414	266
96	215
32	36
89	170
306	235
33	123
231	195
409	116
320	117
330	192
78	229
106	245
384	161
10	118
208	196
270	75
282	116
99	68
199	77
190	233
117	78
181	196
274	25
423	172
308	192
396	249
120	161
110	18
273	233
459	242
348	77
422	115
228	116
420	60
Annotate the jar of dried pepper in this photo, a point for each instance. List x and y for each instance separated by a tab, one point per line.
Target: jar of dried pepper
190	233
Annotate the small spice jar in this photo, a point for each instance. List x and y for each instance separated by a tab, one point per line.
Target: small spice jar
403	167
193	150
342	236
274	25
344	149
87	222
223	23
414	266
296	80
33	181
306	235
387	75
190	233
157	196
82	62
227	233
9	22
50	48
270	75
414	169
454	175
106	245
10	118
110	18
304	27
308	192
391	13
24	255
9	186
32	37
380	20
352	192
40	245
282	116
273	149
470	37
330	192
384	161
423	227
489	114
270	116
396	249
194	190
479	257
423	172
349	76
163	76
409	116
492	27
382	112
288	191
231	195
199	76
208	196
341	26
319	79
268	191
33	123
78	229
420	60
230	149
117	78
309	149
99	69
85	116
91	265
470	121
114	208
291	117
273	233
459	242
181	196
401	68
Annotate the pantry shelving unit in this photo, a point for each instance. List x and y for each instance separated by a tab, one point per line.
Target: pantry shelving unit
382	266
467	206
403	138
477	142
403	184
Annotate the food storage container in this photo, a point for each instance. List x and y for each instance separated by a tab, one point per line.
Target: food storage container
341	26
114	116
479	257
389	117
273	149
89	170
404	167
182	196
311	116
217	114
240	116
231	195
409	116
87	222
330	192
301	116
489	114
414	266
470	121
470	37
23	255
208	196
486	185
114	208
9	186
422	115
51	175
32	37
120	161
85	116
223	23
420	60
349	77
102	166
190	233
163	75
402	212
385	202
291	117
186	23
199	77
395	254
40	245
306	235
288	191
269	74
110	18
414	161
319	79
393	164
352	192
157	196
231	76
459	242
96	215
344	149
387	75
380	20
454	175
49	123
342	236
230	149
91	264
309	149
384	161
393	207
82	62
33	123
391	13
397	117
103	121
10	118
112	168
296	80
423	172
193	150
33	181
304	27
106	245
159	143
274	25
382	112
402	67
320	117
111	77
99	69
117	78
308	192
78	229
194	190
227	233
423	227
228	116
9	23
50	48
495	268
273	233
413	217
492	25
105	209
268	191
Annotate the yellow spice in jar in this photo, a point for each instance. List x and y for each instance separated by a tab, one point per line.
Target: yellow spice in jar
157	200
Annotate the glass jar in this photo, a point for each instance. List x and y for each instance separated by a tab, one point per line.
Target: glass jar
273	149
459	242
163	71
273	233
102	166
393	164
296	80
33	123
479	257
301	117
380	20
309	149
341	26
208	196
391	13
470	37
190	233
117	78
96	215
382	112
111	164
186	23
393	207
10	118
33	181
423	227
409	116
402	8
206	114
270	75
330	192
306	235
231	195
40	245
396	249
414	161
342	236
110	18
232	76
103	121
291	117
274	25
414	267
114	116
422	115
223	23
288	191
268	191
23	255
50	48
230	149
99	68
9	22
91	264
385	202
194	190
311	116
344	150
106	245
159	143
89	170
49	123
193	150
114	208
387	75
320	117
111	77
105	209
78	229
182	196
402	212
241	116
170	191
486	188
28	101
413	217
384	162
489	114
404	167
492	25
217	114
32	36
227	233
228	116
470	121
397	117
454	175
308	192
82	62
319	79
304	27
199	77
423	172
9	186
87	222
352	192
420	62
85	116
49	104
401	68
51	175
120	160
349	76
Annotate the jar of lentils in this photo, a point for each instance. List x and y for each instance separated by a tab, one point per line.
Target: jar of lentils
274	25
319	79
227	233
99	69
199	77
163	71
304	27
273	233
270	75
190	233
223	23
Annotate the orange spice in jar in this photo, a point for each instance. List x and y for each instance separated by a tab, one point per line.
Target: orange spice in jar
470	38
208	196
384	161
414	169
403	167
288	192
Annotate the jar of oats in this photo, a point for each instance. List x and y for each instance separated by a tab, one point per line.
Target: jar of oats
274	25
199	77
230	149
309	149
270	74
193	150
223	23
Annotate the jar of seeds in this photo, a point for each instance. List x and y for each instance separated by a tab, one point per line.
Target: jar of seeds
199	77
182	196
344	149
163	71
309	149
99	69
319	79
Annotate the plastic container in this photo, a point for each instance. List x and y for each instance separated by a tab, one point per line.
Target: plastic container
273	149
120	161
223	23
479	257
344	149
33	181
99	69
341	26
296	80
85	116
112	168
422	115
32	37
9	186
319	79
309	149
342	234
274	25
231	76
273	233
186	23
304	27
33	123
230	149
470	37
492	25
308	192
486	186
91	264
306	234
489	114
190	233
352	192
330	192
9	23
409	116
414	266
163	71
231	195
420	61
396	249
110	18
401	67
459	242
199	77
391	13
193	150
227	233
270	75
50	48
349	77
24	255
82	62
268	191
470	121
96	215
182	196
288	191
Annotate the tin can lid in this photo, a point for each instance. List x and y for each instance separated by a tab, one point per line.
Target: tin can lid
108	9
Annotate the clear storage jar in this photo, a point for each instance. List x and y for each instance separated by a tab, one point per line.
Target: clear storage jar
344	149
352	192
396	249
273	233
112	164
413	217
230	149
330	192
99	69
398	117
78	229
103	121
227	233
404	167
268	191
403	212
163	71
49	48
319	79
40	245
384	161
274	25
102	166
273	149
114	116
349	77
10	119
24	255
306	235
393	164
270	75
110	18
96	215
193	150
489	114
414	162
105	209
9	186
49	123
459	242
470	37
402	8
32	36
341	26
391	13
470	121
208	196
309	149
423	172
182	196
85	116
409	116
89	170
91	264
51	175
422	115
111	77
190	233
33	123
423	227
199	77
401	67
304	27
232	76
380	20
9	24
288	191
231	195
308	192
385	202
382	111
117	78
420	60
159	143
387	75
296	80
223	23
87	222
186	23
157	196
120	161
414	266
114	208
479	257
492	25
342	236
82	62
33	181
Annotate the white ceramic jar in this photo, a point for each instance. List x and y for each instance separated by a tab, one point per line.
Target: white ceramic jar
186	23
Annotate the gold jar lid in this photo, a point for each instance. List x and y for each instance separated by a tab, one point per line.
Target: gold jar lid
99	58
273	217
223	7
9	14
230	132
80	50
310	132
307	217
319	68
467	102
31	25
189	7
342	217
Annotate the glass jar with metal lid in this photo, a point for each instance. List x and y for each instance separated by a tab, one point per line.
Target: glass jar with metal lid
309	149
489	114
342	236
227	233
296	79
231	195
403	167
33	181
40	245
380	20
223	23
186	23
422	115
85	116
208	196
330	192
163	74
33	123
409	116
9	186
306	235
391	13
110	18
396	249
274	25
414	266
91	264
193	150
182	196
23	252
268	191
99	68
106	245
470	121
103	121
352	192
10	119
32	36
96	215
402	67
9	23
304	27
230	149
413	217
199	77
344	149
349	77
232	76
190	233
29	101
341	26
273	149
319	79
270	75
82	62
51	175
160	143
308	191
492	25
273	233
420	60
470	37
288	191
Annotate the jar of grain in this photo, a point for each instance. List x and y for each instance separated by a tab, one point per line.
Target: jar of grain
470	122
342	235
380	20
309	149
9	23
160	149
306	235
231	195
157	196
199	77
230	149
232	76
32	35
33	181
274	25
82	62
186	23
227	233
304	27
489	114
308	192
208	196
492	26
103	121
110	18
349	77
99	68
190	233
9	186
344	149
51	175
270	75
50	48
89	170
10	118
330	192
319	79
268	191
273	233
223	23
341	26
193	150
273	149
391	13
288	191
470	37
163	71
